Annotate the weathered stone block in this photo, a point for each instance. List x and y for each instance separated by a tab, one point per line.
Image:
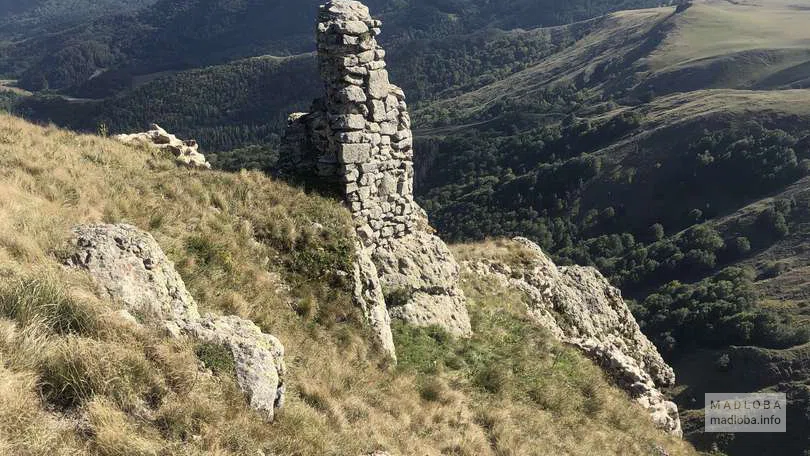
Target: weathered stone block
352	94
357	70
354	153
401	134
356	28
377	110
366	56
353	137
376	65
388	128
354	80
368	44
378	84
350	40
405	144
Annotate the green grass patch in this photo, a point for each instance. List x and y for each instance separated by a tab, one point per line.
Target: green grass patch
216	357
508	357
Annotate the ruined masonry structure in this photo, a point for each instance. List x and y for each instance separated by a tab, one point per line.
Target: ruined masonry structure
356	141
359	136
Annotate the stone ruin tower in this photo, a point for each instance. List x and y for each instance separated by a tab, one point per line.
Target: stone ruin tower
358	137
356	142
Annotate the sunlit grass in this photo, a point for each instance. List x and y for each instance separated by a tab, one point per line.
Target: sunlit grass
77	379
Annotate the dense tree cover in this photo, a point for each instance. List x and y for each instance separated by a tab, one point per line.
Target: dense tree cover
430	69
28	17
224	107
546	183
245	103
716	312
504	181
179	34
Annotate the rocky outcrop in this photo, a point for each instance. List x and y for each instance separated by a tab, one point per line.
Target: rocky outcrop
369	295
130	266
258	357
186	152
580	307
420	278
356	141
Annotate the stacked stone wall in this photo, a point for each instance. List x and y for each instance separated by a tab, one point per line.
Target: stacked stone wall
359	136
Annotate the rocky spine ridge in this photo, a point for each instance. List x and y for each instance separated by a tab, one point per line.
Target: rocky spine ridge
578	306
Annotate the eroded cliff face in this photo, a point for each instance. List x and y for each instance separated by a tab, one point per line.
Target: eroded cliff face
578	306
357	142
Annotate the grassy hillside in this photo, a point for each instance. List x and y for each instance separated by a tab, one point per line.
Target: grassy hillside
76	380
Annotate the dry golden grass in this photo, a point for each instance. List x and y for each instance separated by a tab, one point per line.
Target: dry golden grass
76	380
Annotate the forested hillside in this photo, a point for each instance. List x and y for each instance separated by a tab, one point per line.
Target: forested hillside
21	19
178	34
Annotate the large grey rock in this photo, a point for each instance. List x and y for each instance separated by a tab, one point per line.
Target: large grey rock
420	276
258	358
129	265
186	152
580	307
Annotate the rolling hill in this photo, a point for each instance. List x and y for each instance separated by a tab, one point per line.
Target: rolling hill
181	34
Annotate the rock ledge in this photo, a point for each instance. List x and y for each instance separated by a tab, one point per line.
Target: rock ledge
580	307
186	152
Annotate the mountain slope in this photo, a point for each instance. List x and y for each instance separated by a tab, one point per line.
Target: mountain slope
661	146
665	149
77	379
178	34
27	19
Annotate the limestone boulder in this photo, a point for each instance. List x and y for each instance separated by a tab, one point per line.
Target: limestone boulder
420	277
369	296
258	358
129	265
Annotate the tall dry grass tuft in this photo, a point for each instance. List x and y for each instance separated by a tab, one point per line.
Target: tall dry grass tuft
76	379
